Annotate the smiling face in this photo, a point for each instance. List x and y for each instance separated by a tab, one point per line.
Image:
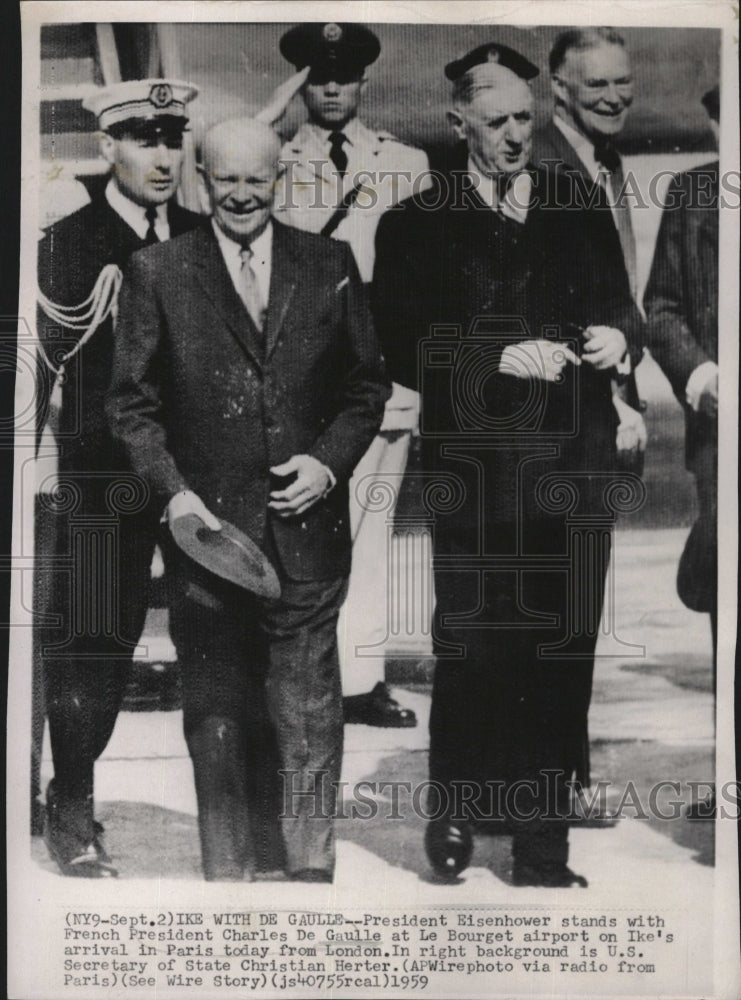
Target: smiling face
497	125
594	90
332	96
240	168
146	168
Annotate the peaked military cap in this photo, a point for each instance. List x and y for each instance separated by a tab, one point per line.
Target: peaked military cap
492	52
144	102
346	46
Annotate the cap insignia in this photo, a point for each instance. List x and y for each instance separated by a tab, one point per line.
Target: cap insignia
161	95
332	33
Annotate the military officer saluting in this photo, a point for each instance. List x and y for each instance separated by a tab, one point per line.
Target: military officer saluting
335	161
340	177
140	126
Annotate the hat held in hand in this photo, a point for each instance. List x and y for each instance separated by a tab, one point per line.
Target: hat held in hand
228	554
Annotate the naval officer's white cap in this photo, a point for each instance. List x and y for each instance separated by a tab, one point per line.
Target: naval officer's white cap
155	101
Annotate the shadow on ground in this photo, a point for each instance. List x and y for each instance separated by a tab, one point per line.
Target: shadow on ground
144	841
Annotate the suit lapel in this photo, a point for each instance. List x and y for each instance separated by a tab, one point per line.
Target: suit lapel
283	271
213	276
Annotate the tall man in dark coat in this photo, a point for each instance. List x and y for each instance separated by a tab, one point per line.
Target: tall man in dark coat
592	86
488	299
246	349
682	333
110	528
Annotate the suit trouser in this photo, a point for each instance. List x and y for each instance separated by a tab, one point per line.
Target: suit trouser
100	584
507	713
261	692
364	617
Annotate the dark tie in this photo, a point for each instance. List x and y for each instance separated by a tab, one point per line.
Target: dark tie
151	234
337	154
606	155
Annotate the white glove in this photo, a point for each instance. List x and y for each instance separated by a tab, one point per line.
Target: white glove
543	359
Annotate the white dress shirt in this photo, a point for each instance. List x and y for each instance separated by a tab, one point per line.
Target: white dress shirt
135	215
260	262
517	199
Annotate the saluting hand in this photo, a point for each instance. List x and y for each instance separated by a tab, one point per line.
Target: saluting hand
282	97
604	346
311	483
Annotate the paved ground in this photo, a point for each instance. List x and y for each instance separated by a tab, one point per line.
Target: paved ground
651	719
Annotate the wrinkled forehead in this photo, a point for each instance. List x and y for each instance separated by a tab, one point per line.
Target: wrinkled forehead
506	97
602	62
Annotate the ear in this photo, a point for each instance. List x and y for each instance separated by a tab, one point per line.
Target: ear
559	89
107	146
455	119
363	82
204	200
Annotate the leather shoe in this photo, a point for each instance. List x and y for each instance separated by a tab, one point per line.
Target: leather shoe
75	857
312	875
449	846
551	875
378	708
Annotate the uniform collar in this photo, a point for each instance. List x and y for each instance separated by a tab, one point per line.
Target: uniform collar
133	214
355	131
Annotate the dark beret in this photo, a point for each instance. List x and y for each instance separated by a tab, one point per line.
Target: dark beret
496	53
711	102
352	46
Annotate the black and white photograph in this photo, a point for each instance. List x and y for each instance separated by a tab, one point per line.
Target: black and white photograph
374	559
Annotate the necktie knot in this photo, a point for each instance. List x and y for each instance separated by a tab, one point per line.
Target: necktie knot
606	154
150	214
337	154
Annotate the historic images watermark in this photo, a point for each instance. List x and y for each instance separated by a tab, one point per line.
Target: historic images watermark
552	797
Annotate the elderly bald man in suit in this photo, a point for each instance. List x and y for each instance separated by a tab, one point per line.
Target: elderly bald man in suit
244	351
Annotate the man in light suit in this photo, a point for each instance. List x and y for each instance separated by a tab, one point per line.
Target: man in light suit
246	350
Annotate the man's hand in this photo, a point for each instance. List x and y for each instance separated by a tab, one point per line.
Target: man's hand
604	347
708	402
311	483
282	97
631	433
189	502
543	359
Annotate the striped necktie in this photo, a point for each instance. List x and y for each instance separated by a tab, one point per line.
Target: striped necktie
249	289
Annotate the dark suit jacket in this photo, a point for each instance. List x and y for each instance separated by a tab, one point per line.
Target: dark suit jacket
553	151
200	403
71	256
484	282
681	297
